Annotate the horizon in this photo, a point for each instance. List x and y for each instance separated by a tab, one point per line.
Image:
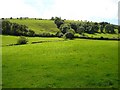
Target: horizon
92	10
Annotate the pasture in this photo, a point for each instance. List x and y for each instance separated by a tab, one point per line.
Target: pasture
39	26
62	64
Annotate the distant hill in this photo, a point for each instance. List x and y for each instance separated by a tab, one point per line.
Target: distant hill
39	26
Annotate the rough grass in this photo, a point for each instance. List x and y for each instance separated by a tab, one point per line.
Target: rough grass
39	26
72	63
102	35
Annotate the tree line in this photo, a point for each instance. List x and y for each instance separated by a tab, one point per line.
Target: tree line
9	28
83	27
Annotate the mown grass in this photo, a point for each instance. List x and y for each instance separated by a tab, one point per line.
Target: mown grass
66	64
39	26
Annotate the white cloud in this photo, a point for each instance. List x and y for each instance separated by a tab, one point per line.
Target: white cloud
84	9
68	9
16	8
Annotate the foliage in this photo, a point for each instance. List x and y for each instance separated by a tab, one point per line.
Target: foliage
80	29
109	28
58	21
22	40
16	29
59	34
64	28
68	35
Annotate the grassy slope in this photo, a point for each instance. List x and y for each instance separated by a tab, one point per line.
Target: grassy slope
39	26
75	63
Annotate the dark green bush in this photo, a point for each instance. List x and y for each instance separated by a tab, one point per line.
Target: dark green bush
68	35
22	40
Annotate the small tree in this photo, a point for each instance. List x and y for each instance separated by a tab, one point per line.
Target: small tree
52	18
58	21
22	40
64	28
68	35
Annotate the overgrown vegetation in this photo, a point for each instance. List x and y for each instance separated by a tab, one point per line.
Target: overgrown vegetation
81	27
22	40
9	28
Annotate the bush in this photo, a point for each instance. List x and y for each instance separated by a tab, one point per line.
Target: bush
22	40
59	34
68	35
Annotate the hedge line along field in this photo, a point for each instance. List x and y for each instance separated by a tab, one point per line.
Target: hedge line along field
65	64
7	39
39	26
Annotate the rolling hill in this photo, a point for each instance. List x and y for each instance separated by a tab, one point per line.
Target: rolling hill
39	26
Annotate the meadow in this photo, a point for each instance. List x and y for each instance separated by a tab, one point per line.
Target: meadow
77	63
39	26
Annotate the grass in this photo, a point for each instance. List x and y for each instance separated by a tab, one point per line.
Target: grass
39	26
102	35
72	64
7	39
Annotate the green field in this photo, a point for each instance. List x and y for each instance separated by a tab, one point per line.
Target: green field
39	26
60	63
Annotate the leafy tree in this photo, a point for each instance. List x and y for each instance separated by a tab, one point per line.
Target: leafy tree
52	18
31	33
71	31
64	28
95	28
74	26
10	17
6	27
80	29
109	28
101	28
68	35
58	21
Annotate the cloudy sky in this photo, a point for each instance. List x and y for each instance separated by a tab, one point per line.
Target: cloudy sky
91	10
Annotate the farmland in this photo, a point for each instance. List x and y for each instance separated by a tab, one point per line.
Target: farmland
46	61
66	63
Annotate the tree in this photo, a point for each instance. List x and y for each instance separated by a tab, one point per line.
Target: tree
80	29
58	21
64	28
101	28
95	28
68	35
6	27
74	26
52	18
109	29
31	33
10	17
71	31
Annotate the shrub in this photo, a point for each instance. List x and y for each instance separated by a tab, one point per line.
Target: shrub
22	40
68	35
59	34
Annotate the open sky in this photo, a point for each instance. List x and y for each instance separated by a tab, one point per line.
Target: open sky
91	10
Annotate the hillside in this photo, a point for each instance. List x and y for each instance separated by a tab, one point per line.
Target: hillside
39	26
